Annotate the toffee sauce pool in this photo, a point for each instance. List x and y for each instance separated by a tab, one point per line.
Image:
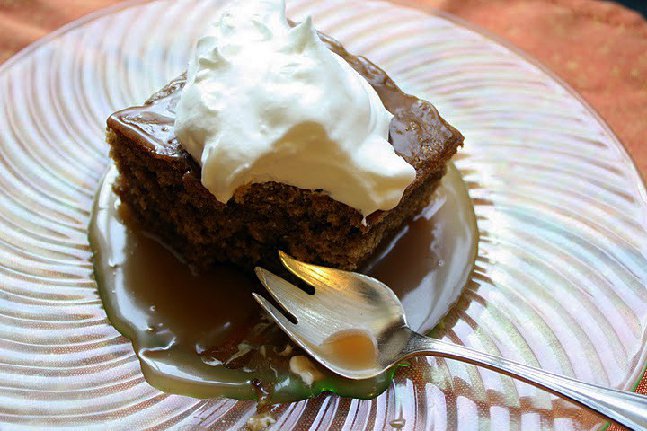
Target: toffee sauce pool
205	337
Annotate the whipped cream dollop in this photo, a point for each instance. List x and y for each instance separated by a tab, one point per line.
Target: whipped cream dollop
268	102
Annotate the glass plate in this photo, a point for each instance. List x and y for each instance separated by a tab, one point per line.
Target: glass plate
559	281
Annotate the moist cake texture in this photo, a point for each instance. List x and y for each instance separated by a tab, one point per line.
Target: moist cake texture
160	182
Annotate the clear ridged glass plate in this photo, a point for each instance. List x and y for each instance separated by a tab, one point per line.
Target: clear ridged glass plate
560	279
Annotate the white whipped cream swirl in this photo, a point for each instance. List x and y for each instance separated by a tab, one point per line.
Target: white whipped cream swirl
267	102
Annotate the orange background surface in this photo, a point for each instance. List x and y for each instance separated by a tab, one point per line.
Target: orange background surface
599	48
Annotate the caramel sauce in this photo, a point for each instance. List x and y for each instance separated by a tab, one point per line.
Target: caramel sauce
352	349
204	336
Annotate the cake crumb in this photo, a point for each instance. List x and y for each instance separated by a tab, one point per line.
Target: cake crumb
303	367
287	351
260	422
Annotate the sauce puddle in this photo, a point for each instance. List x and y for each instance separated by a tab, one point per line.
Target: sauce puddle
205	337
352	349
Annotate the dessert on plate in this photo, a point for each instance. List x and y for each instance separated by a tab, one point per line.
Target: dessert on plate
277	138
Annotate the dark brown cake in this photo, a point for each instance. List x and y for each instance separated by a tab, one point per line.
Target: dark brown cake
161	183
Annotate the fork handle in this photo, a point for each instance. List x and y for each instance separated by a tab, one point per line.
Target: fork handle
626	408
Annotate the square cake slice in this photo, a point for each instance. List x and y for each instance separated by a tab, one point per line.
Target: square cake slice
160	182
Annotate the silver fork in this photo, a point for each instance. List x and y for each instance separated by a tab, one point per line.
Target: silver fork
354	304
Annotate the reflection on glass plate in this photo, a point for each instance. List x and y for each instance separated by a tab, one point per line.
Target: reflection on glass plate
559	281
